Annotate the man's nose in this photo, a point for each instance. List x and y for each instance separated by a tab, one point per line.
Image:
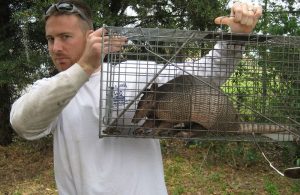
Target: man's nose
57	46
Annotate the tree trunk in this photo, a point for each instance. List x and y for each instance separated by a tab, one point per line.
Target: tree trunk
6	132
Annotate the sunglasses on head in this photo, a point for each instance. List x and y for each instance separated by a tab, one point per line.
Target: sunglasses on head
65	7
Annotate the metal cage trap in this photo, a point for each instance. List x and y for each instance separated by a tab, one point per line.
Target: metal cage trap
169	83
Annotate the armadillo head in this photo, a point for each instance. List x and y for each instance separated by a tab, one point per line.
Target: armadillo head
146	105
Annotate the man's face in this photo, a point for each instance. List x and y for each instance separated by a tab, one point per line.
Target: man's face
66	40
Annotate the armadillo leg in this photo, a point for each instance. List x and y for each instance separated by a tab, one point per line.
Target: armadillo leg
191	130
147	128
164	128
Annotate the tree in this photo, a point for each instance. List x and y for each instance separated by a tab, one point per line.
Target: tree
23	54
280	18
24	58
181	14
20	57
276	80
6	33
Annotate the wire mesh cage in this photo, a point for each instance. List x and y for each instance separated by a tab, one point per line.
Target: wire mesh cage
170	83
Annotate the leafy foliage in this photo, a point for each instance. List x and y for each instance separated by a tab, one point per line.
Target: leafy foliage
273	65
266	82
23	50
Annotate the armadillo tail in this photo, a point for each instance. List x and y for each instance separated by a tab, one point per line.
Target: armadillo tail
263	128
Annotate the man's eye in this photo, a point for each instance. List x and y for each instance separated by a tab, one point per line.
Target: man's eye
64	37
50	39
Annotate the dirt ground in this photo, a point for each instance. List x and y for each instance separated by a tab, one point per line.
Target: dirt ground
26	168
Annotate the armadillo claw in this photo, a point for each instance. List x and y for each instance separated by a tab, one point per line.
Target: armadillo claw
112	131
143	131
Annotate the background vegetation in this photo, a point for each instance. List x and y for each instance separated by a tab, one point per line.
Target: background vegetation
24	58
200	168
23	53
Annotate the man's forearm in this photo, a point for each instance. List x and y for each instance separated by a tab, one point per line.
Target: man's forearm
32	114
218	64
225	57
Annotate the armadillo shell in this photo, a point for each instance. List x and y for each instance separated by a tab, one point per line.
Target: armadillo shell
196	99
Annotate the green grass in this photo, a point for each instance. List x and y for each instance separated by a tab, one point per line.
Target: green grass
190	169
296	187
224	168
271	188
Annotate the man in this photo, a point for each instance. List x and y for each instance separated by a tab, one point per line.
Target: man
67	105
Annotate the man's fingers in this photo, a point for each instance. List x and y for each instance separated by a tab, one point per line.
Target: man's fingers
237	11
100	32
114	43
258	11
100	39
244	14
112	49
223	20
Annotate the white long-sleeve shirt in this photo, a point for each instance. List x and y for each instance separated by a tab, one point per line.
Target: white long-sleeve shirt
68	106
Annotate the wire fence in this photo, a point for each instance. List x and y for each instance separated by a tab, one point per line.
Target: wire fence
170	83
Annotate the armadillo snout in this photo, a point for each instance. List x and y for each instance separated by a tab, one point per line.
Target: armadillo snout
135	120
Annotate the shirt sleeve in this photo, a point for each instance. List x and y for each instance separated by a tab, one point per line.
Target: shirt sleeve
217	65
35	113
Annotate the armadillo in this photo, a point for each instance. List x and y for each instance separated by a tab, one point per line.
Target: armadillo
186	100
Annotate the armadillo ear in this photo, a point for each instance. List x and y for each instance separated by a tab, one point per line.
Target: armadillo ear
154	87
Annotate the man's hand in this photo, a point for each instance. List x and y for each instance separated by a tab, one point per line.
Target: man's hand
98	45
243	17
